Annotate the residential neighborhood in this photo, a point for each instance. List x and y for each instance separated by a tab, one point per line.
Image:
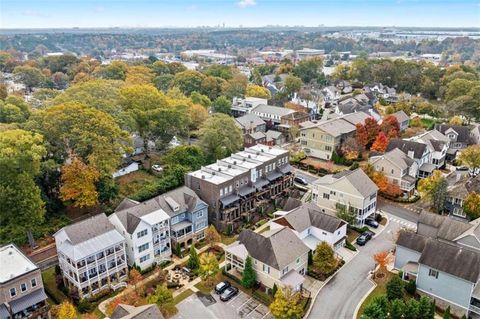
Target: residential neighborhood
241	160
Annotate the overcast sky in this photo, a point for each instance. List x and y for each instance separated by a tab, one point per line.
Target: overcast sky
234	13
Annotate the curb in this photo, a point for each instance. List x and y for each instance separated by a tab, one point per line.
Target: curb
325	283
386	224
355	314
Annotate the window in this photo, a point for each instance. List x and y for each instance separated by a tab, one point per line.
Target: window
142	233
13	292
221	192
266	269
328	148
326	196
433	273
285	270
324	233
230	189
33	282
144	258
200	214
392	171
333	193
373	196
23	287
143	247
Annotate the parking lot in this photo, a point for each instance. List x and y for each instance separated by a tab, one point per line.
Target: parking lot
241	306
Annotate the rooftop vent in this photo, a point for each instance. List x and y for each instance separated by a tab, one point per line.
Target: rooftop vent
203	176
229	165
234	162
219	169
249	156
172	203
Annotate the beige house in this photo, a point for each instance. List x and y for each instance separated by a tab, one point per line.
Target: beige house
279	257
400	169
353	189
21	286
320	139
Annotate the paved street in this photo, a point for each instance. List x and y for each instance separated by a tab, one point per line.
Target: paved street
397	210
310	178
341	295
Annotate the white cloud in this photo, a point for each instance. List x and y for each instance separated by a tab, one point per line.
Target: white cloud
246	3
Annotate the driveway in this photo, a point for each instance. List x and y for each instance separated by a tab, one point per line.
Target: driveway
341	295
241	306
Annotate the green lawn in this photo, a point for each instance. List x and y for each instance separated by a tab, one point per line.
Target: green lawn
184	295
48	277
203	288
131	183
227	240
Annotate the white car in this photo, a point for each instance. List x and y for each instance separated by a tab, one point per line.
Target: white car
157	168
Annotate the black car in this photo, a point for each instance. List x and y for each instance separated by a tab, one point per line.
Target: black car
371	222
300	180
229	293
364	238
221	287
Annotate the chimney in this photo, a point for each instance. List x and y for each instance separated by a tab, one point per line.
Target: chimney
411	154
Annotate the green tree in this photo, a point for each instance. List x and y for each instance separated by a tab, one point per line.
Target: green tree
90	134
117	70
344	212
324	259
286	304
470	157
188	81
193	260
21	154
163	82
397	309
218	70
220	137
190	156
376	309
10	113
434	188
30	76
235	87
249	276
395	288
310	70
446	314
411	309
222	105
425	308
292	84
162	296
208	267
201	99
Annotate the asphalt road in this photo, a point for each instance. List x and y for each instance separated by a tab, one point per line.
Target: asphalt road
341	295
397	210
309	178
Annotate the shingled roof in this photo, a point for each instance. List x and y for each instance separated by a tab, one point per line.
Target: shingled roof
88	228
357	178
309	214
411	240
272	250
452	259
462	131
442	227
123	311
406	146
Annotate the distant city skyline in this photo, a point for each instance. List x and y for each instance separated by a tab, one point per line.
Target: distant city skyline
235	13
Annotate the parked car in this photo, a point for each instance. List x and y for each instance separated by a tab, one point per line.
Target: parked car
371	222
300	180
157	168
229	293
461	168
364	238
221	287
186	270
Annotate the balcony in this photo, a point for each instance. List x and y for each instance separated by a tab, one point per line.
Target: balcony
182	230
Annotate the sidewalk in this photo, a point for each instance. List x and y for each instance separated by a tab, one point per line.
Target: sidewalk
176	262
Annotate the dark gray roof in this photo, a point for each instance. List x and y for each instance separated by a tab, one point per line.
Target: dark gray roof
401	116
28	300
272	250
309	214
406	146
437	145
88	228
126	203
451	259
186	199
442	227
462	131
411	240
142	312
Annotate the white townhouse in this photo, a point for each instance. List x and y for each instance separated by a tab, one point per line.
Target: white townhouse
146	229
91	255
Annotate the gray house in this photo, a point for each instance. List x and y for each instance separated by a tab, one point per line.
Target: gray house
444	261
458	135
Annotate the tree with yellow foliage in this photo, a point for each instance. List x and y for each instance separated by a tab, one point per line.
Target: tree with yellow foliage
78	183
287	304
258	91
66	311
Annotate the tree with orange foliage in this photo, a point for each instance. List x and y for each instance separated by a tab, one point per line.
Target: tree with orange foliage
381	143
372	128
78	183
380	180
393	190
390	126
296	107
134	278
89	316
361	135
382	258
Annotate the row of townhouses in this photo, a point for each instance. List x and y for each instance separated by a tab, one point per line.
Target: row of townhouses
94	254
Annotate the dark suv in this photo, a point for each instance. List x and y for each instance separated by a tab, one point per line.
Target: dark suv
364	238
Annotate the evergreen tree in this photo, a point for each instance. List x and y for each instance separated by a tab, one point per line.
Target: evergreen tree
425	308
377	309
178	250
411	309
249	276
397	309
395	288
446	314
193	261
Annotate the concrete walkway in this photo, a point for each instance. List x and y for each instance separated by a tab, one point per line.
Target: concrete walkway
176	262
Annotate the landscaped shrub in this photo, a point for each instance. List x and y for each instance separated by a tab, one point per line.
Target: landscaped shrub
84	306
411	287
232	277
378	218
354	166
349	245
395	288
359	230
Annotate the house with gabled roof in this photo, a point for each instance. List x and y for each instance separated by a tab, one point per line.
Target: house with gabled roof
279	257
92	256
417	151
313	226
443	257
123	311
403	119
458	135
399	169
353	189
458	192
